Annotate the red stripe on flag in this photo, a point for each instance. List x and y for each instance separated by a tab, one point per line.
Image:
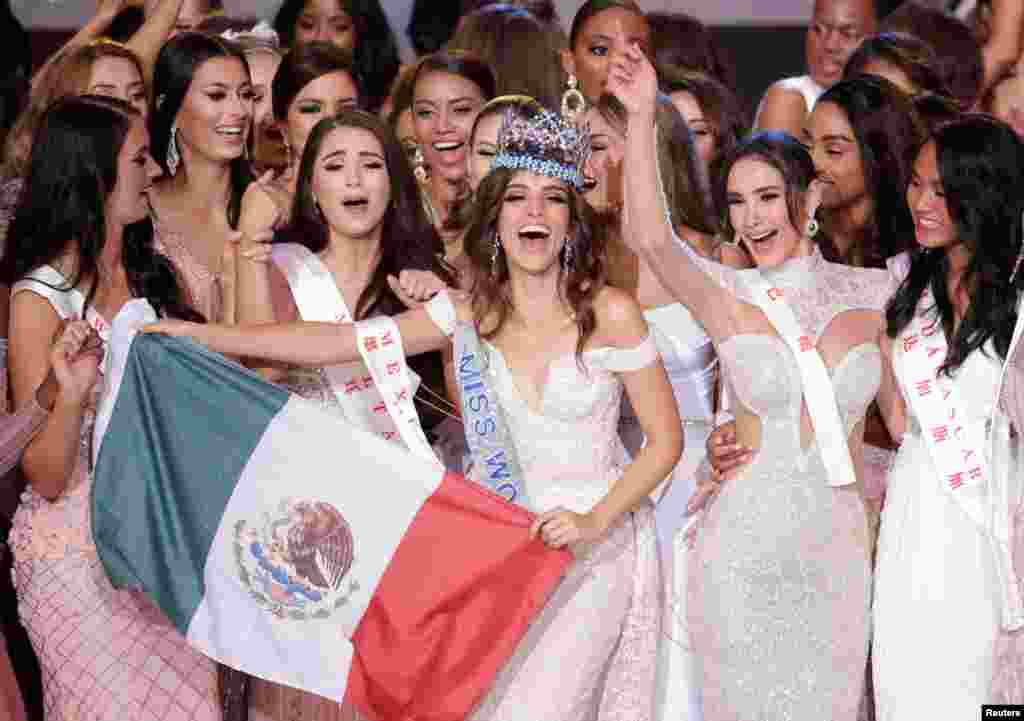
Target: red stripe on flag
458	595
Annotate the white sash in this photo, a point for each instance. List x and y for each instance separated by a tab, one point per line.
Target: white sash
376	394
818	393
957	447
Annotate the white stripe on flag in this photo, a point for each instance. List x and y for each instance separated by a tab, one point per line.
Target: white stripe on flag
306	456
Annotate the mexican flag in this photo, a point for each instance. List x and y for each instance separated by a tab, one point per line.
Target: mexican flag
284	542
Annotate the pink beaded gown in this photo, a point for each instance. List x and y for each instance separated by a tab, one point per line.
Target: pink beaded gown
106	654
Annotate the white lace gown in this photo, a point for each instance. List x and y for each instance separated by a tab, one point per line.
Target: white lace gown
780	577
690	362
936	608
592	652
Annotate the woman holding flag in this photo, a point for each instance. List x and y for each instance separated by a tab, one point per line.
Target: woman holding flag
86	258
544	385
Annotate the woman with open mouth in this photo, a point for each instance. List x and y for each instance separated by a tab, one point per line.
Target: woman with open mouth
200	130
561	348
357	226
780	573
448	91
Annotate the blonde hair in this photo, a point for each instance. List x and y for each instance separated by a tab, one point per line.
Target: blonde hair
67	74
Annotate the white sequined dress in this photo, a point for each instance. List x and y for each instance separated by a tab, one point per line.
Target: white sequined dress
780	576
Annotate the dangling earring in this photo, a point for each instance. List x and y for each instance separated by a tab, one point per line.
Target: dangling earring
173	157
812	227
495	251
1020	254
573	102
419	165
567	255
316	206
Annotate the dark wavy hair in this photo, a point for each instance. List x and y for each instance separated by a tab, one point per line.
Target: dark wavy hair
522	52
302	65
721	109
784	153
960	63
981	166
910	54
888	133
683	42
408	240
72	171
375	55
456	62
179	59
490	293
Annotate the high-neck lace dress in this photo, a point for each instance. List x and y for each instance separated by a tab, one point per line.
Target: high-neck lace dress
780	575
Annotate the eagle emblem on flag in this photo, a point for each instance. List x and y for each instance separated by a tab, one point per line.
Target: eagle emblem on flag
295	560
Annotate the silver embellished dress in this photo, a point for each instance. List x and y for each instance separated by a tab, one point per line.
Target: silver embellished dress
780	575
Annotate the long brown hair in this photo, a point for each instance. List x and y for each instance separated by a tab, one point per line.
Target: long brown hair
490	294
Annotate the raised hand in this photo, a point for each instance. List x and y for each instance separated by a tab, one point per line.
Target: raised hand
263	206
75	357
633	81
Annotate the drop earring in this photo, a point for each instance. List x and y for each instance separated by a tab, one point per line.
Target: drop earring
173	157
419	165
812	227
573	102
567	255
495	252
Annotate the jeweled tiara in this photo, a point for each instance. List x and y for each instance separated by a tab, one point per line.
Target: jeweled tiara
544	144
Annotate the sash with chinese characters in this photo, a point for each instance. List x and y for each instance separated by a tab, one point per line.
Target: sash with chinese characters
956	446
376	394
495	462
819	396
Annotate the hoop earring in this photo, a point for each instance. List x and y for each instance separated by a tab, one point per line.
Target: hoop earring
567	254
495	252
173	156
812	227
419	165
573	102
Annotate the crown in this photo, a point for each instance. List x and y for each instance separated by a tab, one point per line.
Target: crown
545	144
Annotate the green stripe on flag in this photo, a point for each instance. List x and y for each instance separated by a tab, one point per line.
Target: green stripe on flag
171	449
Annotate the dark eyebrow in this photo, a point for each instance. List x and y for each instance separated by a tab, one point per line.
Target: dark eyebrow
333	154
766	188
370	154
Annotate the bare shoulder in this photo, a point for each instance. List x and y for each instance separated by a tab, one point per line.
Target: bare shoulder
782	108
620	319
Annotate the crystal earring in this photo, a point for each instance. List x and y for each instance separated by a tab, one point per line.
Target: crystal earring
812	227
419	165
495	252
573	102
567	255
316	206
173	157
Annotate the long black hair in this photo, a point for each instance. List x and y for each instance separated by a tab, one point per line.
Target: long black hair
408	239
179	59
888	132
981	166
72	171
375	55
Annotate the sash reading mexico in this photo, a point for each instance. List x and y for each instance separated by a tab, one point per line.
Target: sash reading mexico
285	542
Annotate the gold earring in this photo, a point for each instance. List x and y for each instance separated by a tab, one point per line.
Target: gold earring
573	102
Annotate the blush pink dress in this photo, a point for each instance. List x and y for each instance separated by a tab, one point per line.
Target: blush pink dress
106	654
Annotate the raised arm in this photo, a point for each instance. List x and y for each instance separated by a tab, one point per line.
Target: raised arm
1003	46
647	228
301	343
147	40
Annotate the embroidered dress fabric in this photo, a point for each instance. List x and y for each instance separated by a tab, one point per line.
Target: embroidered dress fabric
690	363
202	284
780	575
106	654
592	652
934	570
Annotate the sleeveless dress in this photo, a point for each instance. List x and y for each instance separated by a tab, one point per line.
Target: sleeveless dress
204	286
936	579
592	652
106	654
780	575
690	363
